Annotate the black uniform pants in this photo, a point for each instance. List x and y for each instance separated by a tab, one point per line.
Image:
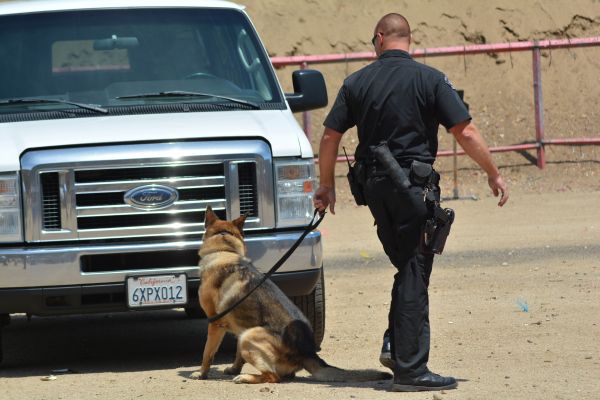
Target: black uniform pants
400	218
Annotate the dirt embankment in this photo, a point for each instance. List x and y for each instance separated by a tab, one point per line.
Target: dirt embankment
498	86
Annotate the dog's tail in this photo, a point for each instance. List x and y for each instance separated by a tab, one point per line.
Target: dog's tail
324	372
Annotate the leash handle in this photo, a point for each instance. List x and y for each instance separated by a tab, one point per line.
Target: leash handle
310	227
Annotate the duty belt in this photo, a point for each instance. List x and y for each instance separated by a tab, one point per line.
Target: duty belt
375	168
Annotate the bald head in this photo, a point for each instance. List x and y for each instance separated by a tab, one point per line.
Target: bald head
394	26
391	32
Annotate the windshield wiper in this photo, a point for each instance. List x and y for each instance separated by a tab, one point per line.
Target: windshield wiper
54	101
181	93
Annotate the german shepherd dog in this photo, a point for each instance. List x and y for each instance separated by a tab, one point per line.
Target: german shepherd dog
273	334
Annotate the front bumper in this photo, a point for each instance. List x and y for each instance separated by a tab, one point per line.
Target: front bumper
91	278
112	297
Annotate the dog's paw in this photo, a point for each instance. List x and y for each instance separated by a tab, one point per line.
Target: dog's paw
232	371
199	375
242	379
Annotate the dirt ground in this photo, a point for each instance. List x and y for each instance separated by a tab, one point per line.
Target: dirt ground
515	313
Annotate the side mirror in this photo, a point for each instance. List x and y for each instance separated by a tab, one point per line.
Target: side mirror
310	91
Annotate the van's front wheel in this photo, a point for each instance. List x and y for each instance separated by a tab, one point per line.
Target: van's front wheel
313	307
4	321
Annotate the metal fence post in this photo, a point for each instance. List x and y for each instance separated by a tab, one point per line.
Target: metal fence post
538	106
455	191
455	169
306	120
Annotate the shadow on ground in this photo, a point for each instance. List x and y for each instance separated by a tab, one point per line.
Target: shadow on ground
106	343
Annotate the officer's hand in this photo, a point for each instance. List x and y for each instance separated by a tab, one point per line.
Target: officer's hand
325	197
498	186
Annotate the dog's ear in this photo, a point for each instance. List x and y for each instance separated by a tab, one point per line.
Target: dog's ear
209	217
239	223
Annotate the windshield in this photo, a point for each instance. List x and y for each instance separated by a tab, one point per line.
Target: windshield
115	57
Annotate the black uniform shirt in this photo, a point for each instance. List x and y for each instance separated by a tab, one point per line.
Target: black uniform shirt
398	100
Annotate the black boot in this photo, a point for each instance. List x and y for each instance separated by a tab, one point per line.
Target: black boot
385	358
424	382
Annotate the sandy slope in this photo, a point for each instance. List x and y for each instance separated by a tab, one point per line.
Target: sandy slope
498	87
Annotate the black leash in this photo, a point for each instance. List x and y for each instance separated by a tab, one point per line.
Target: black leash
311	226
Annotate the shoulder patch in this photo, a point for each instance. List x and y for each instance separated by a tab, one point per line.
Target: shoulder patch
448	82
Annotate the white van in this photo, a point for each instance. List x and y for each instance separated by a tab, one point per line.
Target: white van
120	122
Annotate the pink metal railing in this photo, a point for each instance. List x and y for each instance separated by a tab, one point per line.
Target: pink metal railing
534	46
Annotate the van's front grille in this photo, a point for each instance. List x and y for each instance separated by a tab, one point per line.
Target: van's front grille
99	198
248	194
139	261
117	198
197	186
50	201
142	173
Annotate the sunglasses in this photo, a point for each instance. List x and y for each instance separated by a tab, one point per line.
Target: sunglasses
373	40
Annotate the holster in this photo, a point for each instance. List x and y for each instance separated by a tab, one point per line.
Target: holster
355	177
437	227
436	230
384	157
421	173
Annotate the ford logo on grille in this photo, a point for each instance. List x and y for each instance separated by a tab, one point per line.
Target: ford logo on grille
151	196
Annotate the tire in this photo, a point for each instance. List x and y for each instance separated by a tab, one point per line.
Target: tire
4	321
313	307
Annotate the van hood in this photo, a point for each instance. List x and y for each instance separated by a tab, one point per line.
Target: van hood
277	127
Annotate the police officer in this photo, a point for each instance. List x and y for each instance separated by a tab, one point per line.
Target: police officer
402	102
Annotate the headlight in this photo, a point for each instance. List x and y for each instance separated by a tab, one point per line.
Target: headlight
295	190
10	209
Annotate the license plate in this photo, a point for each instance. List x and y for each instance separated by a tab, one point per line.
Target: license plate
158	290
